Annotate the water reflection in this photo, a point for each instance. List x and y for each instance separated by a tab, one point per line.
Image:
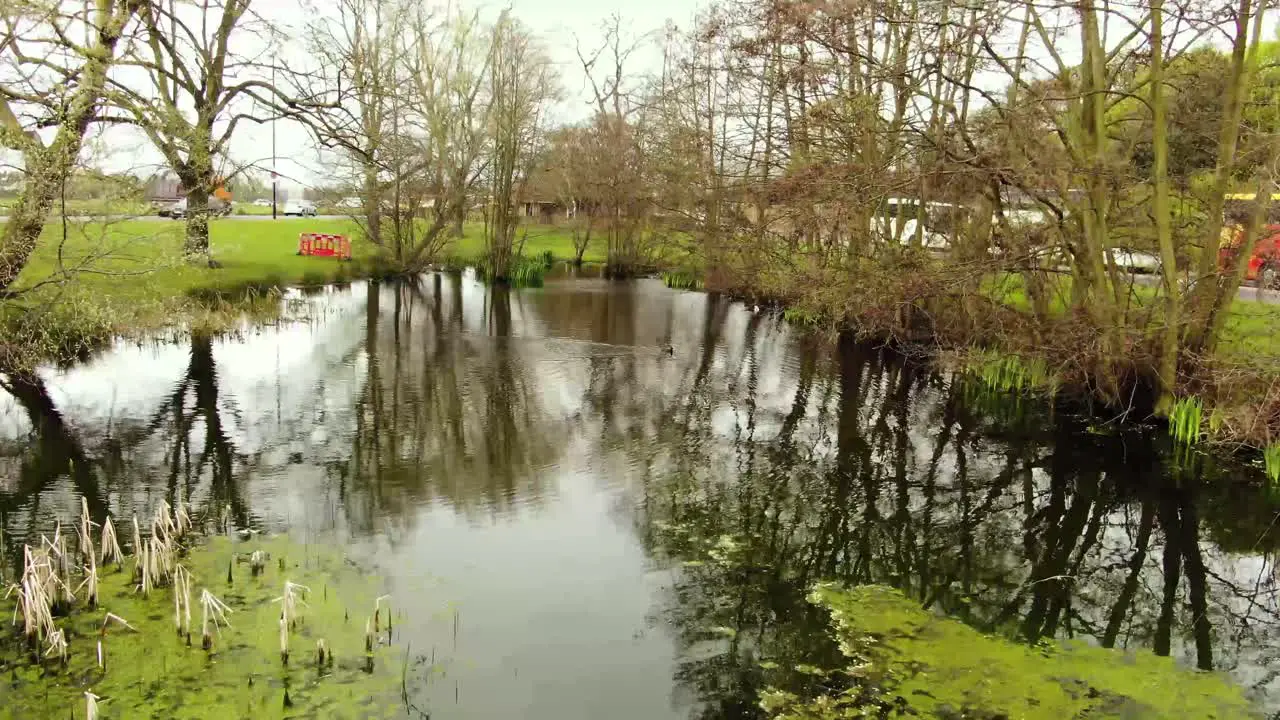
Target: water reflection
632	532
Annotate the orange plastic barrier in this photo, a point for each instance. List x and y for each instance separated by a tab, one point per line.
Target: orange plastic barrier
324	245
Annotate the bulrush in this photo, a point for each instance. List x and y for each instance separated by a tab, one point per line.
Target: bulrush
181	520
212	611
182	602
90	583
110	545
57	646
284	640
86	531
291	600
377	613
257	562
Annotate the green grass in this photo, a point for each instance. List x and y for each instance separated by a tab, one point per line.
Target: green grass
542	239
146	257
134	280
1251	334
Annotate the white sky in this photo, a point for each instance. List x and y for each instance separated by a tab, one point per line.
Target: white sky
557	22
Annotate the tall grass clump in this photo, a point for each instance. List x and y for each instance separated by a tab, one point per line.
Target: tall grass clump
1011	373
521	271
800	316
1271	462
681	280
1185	420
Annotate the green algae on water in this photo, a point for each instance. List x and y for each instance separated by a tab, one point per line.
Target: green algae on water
908	662
158	672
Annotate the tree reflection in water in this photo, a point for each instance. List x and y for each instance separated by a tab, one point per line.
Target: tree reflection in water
1020	520
752	462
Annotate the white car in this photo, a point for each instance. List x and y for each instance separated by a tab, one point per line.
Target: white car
262	203
1134	261
300	209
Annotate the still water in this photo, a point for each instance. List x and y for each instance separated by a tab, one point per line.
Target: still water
550	480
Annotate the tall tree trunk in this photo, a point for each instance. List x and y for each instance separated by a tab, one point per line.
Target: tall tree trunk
1167	372
197	235
1243	55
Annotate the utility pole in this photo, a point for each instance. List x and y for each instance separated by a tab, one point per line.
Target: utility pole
274	176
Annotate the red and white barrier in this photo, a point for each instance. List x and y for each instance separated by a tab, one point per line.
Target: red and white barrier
324	245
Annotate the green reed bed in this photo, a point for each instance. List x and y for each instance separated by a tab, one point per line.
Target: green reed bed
190	625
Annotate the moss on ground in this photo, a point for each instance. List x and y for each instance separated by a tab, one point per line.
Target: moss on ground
908	662
154	673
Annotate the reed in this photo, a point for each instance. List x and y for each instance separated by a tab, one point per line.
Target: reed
377	613
163	526
212	612
323	656
1271	462
91	705
90	583
1185	420
138	551
284	640
293	597
86	532
182	602
110	545
257	562
181	520
34	594
57	646
681	280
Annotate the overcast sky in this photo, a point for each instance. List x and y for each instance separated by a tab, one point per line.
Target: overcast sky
557	23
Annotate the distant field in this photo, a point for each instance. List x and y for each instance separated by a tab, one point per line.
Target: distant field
133	257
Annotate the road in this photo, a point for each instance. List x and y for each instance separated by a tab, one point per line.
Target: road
1247	292
157	218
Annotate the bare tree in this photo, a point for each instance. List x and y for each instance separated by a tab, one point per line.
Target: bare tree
519	87
398	95
201	86
58	82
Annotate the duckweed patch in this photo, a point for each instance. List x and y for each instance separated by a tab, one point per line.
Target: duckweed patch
155	672
908	662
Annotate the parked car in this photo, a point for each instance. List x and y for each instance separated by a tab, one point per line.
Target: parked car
1136	261
262	203
178	210
299	209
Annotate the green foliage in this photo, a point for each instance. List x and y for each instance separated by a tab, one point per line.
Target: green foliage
681	280
548	259
800	316
1271	462
1185	420
908	662
154	673
522	271
1011	373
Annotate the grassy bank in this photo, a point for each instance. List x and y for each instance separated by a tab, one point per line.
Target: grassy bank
91	281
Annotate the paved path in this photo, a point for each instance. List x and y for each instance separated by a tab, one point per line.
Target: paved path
157	218
1247	292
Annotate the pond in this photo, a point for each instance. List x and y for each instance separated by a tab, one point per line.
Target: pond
547	477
